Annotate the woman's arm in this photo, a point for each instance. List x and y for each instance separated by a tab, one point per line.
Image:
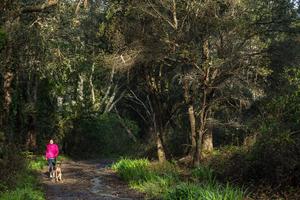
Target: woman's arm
57	150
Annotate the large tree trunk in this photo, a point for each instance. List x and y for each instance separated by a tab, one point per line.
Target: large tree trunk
192	119
158	129
160	147
207	139
201	131
197	154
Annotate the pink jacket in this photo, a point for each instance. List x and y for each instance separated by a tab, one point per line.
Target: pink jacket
52	151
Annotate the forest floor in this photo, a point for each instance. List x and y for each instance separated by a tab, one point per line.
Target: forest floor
87	180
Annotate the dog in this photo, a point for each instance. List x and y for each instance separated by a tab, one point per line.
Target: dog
58	173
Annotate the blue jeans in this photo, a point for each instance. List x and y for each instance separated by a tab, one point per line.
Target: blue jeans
51	164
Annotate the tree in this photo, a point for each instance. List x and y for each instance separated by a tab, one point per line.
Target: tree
219	46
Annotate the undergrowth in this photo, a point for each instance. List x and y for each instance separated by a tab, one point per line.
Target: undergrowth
164	181
25	182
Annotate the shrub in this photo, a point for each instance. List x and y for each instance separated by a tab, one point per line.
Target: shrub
133	170
153	179
165	169
37	163
203	174
162	181
25	183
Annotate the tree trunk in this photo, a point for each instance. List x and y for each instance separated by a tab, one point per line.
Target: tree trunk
160	148
80	88
159	140
197	154
8	78
192	119
92	86
7	89
202	130
207	143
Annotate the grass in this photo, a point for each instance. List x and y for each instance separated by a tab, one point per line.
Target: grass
163	181
203	174
133	170
207	191
26	193
27	185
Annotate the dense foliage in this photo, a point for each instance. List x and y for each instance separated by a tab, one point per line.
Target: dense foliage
167	80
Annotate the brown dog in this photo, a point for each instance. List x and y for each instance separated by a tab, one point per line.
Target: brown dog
58	173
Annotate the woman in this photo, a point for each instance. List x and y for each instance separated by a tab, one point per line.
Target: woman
51	155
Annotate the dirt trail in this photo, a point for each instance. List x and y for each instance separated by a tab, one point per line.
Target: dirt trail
88	180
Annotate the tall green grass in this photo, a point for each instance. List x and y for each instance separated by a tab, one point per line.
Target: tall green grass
133	170
207	191
162	181
27	185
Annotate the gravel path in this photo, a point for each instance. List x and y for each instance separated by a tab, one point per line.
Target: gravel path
88	180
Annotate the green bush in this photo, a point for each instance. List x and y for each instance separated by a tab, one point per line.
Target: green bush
203	174
37	163
133	170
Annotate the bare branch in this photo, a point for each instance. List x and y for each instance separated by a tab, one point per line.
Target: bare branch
131	135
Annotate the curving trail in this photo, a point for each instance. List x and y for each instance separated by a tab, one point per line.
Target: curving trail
88	180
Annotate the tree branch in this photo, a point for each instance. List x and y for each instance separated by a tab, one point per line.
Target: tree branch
39	8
